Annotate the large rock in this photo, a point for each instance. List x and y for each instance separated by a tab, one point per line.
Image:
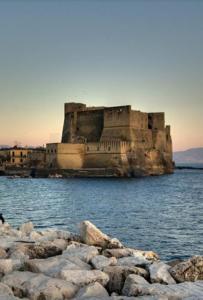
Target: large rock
38	286
3	253
42	250
26	228
124	252
9	265
138	261
137	286
91	235
118	275
100	261
82	251
54	265
92	290
159	273
84	277
189	270
5	290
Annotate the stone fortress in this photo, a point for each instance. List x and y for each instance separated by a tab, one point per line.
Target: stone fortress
112	141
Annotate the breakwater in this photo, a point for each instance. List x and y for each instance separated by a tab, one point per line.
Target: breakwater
57	264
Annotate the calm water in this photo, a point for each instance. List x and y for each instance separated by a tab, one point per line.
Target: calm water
164	214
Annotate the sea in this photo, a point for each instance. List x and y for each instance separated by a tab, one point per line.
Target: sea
159	213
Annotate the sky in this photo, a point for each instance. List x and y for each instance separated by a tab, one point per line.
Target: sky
104	53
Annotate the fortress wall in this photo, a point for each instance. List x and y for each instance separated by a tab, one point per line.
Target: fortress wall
65	156
90	125
159	140
116	133
138	120
141	138
117	116
106	154
156	121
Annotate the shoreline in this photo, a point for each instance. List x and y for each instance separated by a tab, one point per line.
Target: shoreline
56	264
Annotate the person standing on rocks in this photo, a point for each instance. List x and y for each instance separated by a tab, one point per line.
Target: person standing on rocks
2	218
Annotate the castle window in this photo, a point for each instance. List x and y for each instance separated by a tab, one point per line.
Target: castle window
13	153
21	160
109	148
13	160
21	154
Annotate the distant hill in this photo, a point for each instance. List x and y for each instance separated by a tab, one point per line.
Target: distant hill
191	156
4	146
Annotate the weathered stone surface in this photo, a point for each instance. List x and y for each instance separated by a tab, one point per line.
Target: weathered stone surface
84	277
38	286
118	253
189	270
42	250
82	251
9	265
92	290
52	234
54	265
132	285
100	261
91	235
118	275
133	261
5	290
124	252
60	244
135	286
159	273
26	228
3	253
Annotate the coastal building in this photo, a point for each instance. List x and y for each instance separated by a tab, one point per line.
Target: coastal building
129	142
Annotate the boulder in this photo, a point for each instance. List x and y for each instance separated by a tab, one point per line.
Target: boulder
137	286
3	253
53	266
82	251
159	273
132	285
100	261
92	290
52	234
38	286
139	261
84	277
118	253
5	290
26	228
189	270
91	235
118	274
9	265
42	250
124	252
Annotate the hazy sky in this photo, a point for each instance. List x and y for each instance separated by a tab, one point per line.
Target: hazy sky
145	53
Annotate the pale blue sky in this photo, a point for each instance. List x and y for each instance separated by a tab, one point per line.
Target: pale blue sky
145	53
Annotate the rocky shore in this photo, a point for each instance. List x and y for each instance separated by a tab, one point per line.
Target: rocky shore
56	265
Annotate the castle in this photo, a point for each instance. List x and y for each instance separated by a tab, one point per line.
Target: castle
119	140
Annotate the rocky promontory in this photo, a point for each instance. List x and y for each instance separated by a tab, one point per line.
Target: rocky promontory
56	265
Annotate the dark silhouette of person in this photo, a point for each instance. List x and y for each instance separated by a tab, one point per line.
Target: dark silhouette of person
2	218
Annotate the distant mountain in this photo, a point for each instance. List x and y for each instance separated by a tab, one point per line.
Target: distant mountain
191	156
4	146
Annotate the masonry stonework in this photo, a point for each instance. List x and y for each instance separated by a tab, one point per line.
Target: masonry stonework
130	142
